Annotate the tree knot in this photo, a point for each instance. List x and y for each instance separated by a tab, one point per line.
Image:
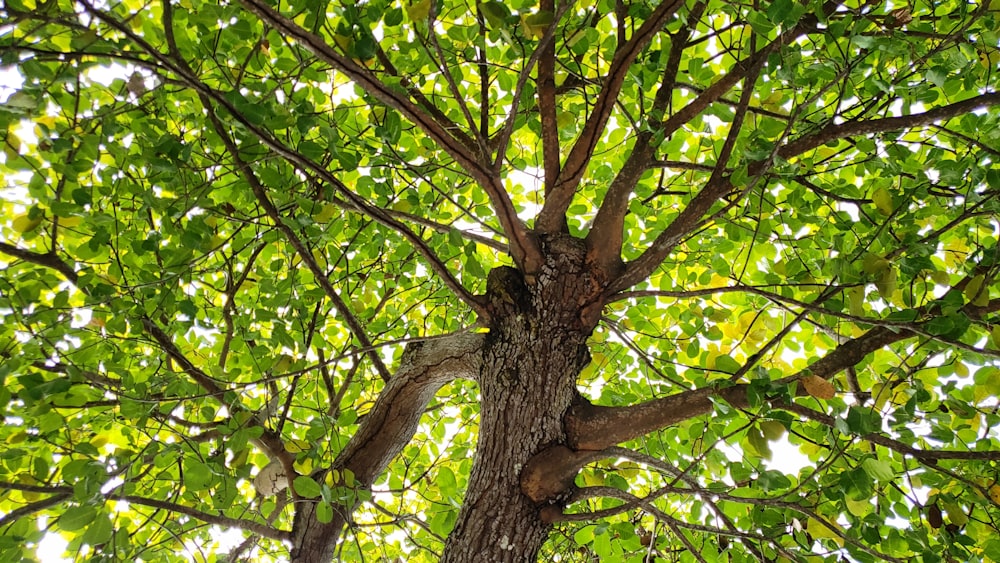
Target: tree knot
506	292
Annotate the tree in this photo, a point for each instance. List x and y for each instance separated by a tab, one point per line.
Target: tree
501	281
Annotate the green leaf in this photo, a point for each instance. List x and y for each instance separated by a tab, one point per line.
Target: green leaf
99	531
878	470
324	512
77	518
306	486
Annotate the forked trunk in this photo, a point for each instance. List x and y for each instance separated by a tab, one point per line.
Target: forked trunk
533	354
531	358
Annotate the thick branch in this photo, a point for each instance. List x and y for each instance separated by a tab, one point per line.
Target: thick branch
690	218
386	430
604	241
424	368
47	260
593	427
558	199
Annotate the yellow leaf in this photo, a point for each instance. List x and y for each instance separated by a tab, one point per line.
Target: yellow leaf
345	42
303	467
860	508
772	429
819	387
995	493
325	213
535	24
419	10
976	293
819	530
23	224
955	514
883	201
70	221
240	458
757	444
592	479
886	283
296	446
856	301
874	264
995	335
283	364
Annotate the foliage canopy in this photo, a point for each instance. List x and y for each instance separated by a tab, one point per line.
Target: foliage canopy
223	222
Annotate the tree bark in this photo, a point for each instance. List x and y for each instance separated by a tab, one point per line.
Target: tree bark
389	426
532	356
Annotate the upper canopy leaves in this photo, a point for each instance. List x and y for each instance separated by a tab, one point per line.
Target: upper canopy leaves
220	221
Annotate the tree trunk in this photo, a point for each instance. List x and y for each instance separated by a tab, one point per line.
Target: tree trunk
534	351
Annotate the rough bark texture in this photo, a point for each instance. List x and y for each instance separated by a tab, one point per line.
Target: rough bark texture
534	351
389	426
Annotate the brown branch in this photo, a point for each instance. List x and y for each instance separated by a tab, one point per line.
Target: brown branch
502	140
269	441
552	217
524	249
873	126
594	427
444	69
32	508
929	457
260	192
61	493
604	241
390	425
47	260
547	106
610	216
262	530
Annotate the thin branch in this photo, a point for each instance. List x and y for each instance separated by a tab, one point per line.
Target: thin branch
62	493
262	530
32	508
260	192
547	106
872	126
926	456
524	249
503	139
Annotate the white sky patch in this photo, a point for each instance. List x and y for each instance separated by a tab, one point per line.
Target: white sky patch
10	82
51	548
787	457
